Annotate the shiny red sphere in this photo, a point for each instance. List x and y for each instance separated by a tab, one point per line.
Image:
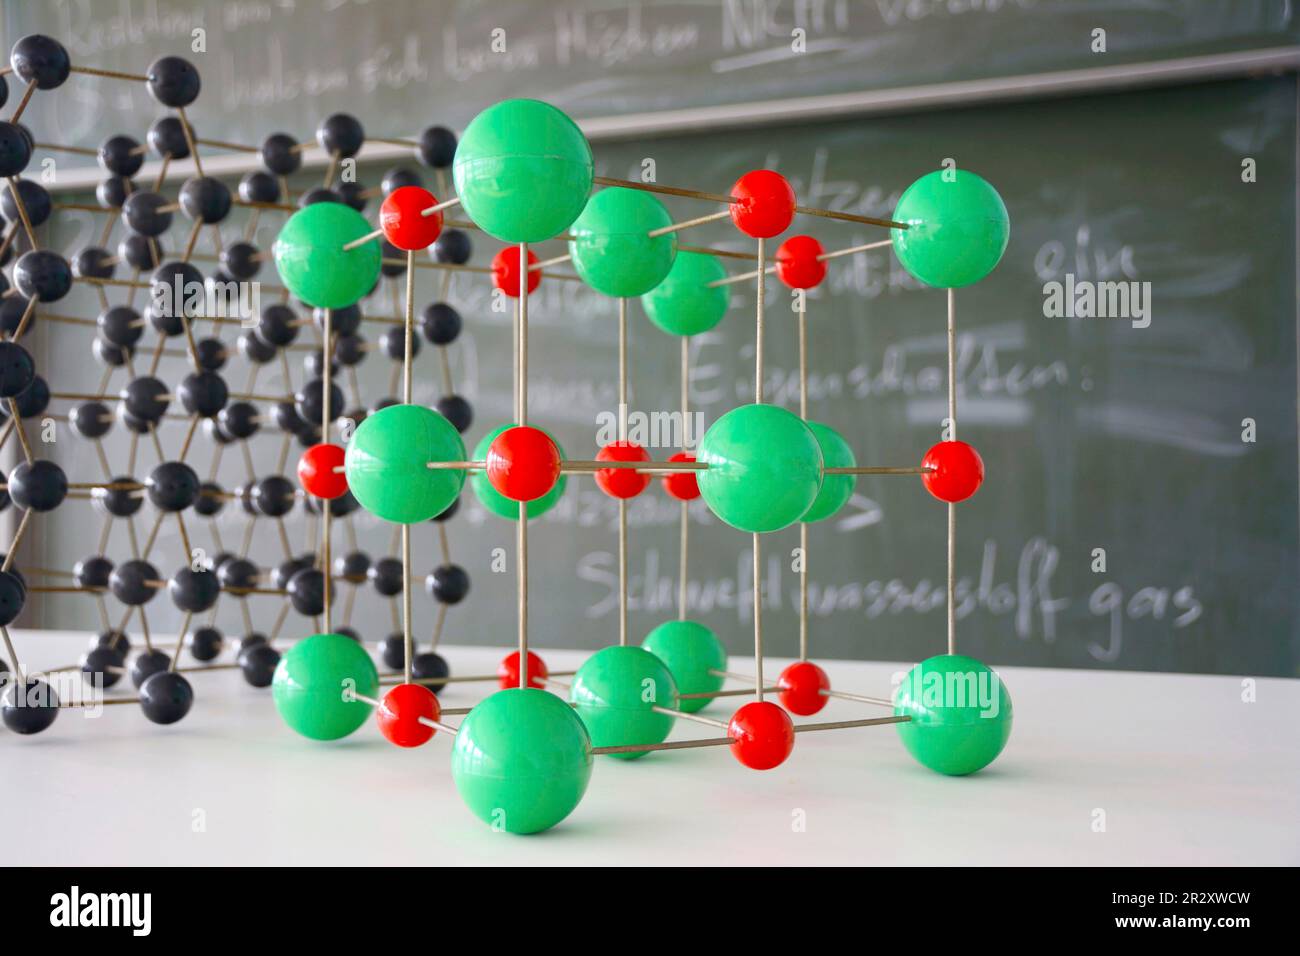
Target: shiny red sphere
762	735
801	686
316	471
400	711
766	206
958	471
523	463
797	264
622	482
402	218
505	272
508	671
682	484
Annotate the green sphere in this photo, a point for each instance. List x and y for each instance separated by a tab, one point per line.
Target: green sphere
960	710
683	304
522	760
387	463
523	171
312	263
689	650
614	691
497	503
611	248
765	468
308	686
836	489
957	231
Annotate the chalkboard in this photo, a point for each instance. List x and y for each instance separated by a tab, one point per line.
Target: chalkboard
282	64
1096	434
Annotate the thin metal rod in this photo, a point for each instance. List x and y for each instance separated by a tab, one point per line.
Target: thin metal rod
689	223
844	724
521	413
859	698
666	745
327	357
17	539
758	622
952	507
410	326
698	718
408	642
758	333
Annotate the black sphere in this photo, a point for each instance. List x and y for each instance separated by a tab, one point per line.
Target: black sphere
4	494
440	323
172	486
17	370
203	393
239	575
393	343
344	321
166	697
40	485
212	428
349	632
259	186
429	666
240	420
15	150
137	425
148	663
41	60
452	247
36	201
277	325
112	192
341	135
29	709
205	199
310	401
206	644
240	259
353	194
353	566
194	591
210	500
13	595
145	398
139	252
31	401
288	568
280	154
386	575
144	214
114	639
245	495
274	496
313	364
448	511
350	350
43	275
437	147
307	592
104	663
106	353
392	651
121	156
92	262
12	309
93	572
173	82
120	502
319	194
167	138
399	177
447	584
258	662
131	584
456	410
254	349
211	354
121	325
171	288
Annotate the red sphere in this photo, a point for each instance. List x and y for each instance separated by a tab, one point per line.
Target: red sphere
682	484
801	686
958	471
316	471
797	264
766	206
523	463
622	482
762	735
508	671
402	218
505	272
400	711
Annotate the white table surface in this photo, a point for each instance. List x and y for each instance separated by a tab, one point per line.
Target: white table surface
1184	771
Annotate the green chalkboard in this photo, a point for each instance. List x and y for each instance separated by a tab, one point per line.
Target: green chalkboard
1096	434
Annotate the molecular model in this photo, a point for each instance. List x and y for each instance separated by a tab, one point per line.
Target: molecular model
522	757
305	582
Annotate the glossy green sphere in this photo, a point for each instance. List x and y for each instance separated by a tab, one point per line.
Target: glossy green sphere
683	303
957	231
765	468
311	260
523	171
960	710
611	246
387	463
690	651
497	503
836	489
614	692
522	760
309	681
